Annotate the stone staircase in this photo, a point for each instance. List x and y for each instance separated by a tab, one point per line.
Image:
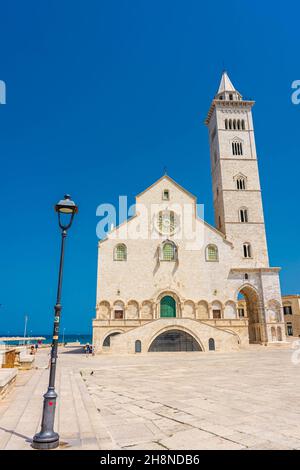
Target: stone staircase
76	419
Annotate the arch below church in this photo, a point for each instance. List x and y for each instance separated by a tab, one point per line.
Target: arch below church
174	339
108	336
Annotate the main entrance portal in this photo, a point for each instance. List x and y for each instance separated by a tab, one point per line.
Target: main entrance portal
174	340
167	307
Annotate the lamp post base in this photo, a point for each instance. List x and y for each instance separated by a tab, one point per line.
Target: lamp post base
45	441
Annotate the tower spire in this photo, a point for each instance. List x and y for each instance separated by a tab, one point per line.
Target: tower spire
226	83
226	90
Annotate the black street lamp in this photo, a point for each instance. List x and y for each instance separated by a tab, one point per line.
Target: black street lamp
47	438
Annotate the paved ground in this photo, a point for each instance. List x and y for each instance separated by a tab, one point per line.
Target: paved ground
239	400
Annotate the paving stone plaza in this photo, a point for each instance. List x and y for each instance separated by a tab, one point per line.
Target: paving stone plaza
244	400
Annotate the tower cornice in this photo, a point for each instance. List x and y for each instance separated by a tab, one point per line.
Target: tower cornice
222	104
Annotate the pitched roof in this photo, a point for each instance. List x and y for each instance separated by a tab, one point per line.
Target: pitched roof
172	181
225	84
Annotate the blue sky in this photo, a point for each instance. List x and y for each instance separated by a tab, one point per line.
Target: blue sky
100	97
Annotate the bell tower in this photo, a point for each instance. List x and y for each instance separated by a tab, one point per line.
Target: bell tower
235	175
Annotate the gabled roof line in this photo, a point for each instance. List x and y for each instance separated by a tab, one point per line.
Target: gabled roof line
117	227
172	181
182	189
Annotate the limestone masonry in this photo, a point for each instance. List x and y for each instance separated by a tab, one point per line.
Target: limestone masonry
178	286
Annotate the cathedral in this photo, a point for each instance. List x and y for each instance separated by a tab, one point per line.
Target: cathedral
169	281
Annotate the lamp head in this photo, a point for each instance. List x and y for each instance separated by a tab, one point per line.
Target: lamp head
66	209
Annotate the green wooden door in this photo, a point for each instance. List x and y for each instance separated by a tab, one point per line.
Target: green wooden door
167	307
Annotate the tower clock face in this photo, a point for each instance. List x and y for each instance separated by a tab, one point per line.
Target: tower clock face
167	222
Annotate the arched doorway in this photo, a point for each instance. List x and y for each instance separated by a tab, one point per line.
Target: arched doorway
174	340
249	299
106	342
167	307
273	333
279	333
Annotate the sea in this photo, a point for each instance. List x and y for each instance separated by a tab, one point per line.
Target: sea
83	339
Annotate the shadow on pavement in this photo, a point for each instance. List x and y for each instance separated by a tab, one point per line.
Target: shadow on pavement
10	431
74	351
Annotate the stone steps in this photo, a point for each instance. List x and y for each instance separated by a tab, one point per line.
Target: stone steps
7	380
77	419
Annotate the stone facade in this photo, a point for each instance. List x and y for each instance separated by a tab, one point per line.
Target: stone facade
291	310
166	269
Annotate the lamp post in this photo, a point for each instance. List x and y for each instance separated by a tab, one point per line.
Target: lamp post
47	438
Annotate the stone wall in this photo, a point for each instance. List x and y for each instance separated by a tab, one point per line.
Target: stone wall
224	340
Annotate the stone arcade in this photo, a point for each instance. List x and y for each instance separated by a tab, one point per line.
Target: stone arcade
164	293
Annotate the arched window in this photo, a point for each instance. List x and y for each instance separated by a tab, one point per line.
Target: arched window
230	124
211	344
238	124
226	124
243	124
120	252
168	251
247	250
138	346
237	148
243	215
212	253
234	124
240	183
